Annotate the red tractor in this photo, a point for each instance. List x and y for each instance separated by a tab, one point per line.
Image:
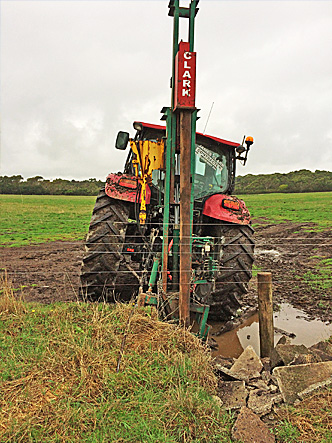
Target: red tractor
126	229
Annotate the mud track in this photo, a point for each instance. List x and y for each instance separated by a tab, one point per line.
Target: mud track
49	272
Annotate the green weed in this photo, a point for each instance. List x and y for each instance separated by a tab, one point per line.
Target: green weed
287	432
255	270
321	278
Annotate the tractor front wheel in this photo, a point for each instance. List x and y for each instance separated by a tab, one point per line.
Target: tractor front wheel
105	273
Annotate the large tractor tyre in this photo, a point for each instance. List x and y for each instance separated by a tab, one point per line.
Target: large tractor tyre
105	273
235	255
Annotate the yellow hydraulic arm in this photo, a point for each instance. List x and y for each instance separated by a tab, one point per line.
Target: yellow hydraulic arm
149	155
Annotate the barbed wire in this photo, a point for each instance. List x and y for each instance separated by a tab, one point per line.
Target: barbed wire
299	281
184	237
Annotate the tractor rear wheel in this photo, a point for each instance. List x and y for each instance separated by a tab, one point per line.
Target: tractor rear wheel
235	255
105	273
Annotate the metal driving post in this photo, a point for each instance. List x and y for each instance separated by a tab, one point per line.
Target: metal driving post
166	199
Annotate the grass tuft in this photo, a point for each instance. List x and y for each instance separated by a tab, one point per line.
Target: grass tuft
310	421
58	378
10	303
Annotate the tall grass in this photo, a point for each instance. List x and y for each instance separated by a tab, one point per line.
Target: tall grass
58	378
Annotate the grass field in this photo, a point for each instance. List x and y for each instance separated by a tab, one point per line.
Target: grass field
58	378
30	219
314	207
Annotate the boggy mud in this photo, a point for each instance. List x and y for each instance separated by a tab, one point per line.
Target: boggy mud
297	259
49	272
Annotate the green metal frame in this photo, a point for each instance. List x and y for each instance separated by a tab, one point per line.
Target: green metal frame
201	313
170	116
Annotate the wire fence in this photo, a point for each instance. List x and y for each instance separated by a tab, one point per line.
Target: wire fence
124	253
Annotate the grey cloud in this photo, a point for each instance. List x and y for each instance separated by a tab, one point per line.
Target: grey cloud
74	73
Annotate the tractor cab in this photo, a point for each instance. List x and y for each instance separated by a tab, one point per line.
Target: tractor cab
214	165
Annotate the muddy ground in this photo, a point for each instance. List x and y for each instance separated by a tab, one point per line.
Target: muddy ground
49	272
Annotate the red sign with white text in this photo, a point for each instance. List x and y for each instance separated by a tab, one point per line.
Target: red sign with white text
185	78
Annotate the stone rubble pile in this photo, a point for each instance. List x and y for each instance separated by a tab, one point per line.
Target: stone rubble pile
252	385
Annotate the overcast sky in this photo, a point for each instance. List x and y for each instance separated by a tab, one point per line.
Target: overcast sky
74	73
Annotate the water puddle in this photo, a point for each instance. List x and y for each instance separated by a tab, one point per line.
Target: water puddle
273	253
288	321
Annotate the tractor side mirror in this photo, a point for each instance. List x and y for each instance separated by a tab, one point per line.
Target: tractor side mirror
122	140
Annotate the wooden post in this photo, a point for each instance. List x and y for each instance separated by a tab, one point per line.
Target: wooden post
265	313
185	217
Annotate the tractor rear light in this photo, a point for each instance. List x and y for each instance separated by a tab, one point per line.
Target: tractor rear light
230	204
128	183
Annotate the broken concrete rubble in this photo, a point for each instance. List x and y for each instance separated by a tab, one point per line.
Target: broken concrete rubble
249	428
284	354
261	401
248	365
233	394
259	384
321	355
323	346
303	359
243	377
224	361
293	380
227	374
322	350
248	381
283	340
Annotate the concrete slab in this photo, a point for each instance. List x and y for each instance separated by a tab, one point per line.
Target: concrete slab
314	388
295	379
321	355
261	401
233	394
228	374
284	354
324	346
249	428
248	365
259	384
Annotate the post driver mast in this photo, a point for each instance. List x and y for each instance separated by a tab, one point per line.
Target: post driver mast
180	157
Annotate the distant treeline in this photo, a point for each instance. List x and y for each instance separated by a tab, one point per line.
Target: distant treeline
40	186
297	181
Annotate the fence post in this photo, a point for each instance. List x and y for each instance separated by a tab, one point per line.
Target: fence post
265	313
